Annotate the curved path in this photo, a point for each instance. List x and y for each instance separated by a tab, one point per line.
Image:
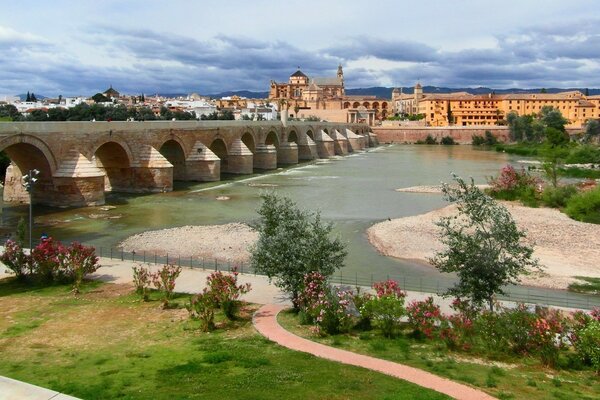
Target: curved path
265	321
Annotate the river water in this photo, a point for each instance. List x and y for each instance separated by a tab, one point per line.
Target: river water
353	192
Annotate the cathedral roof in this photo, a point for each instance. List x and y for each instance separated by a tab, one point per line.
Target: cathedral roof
328	81
299	74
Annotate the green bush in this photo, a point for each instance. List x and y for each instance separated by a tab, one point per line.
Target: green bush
385	312
584	154
428	140
588	344
477	140
557	197
585	206
448	140
488	140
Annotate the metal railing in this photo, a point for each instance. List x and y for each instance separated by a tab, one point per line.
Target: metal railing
539	296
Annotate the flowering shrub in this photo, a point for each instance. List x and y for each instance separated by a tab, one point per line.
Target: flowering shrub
164	281
595	313
423	317
510	179
75	262
386	309
388	288
44	260
226	291
359	299
141	281
588	344
15	259
202	307
329	309
52	261
546	334
457	330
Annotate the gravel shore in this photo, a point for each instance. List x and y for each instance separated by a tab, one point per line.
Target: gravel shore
228	242
564	247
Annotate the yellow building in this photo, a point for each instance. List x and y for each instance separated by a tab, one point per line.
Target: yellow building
326	98
464	109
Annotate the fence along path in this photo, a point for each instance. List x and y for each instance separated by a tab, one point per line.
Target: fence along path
538	296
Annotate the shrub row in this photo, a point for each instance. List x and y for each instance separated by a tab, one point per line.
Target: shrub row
542	332
51	261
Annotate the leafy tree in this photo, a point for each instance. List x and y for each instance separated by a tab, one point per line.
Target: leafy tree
100	98
58	114
554	152
293	243
9	110
553	118
165	113
592	129
38	115
543	90
483	245
226	115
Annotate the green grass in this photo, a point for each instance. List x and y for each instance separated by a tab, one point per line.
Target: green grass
5	119
521	149
582	173
505	377
107	344
591	285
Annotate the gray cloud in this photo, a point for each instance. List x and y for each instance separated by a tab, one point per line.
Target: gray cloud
149	61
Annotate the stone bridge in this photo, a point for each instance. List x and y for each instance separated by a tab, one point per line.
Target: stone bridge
80	161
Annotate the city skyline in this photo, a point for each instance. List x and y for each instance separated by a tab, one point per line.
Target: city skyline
209	47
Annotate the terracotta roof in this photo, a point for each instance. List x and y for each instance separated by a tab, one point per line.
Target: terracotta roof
327	81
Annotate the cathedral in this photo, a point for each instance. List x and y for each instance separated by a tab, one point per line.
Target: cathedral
326	99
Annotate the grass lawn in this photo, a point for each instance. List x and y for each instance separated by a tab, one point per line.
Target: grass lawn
107	344
505	378
590	285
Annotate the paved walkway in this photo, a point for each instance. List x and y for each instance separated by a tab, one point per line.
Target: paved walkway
265	321
11	389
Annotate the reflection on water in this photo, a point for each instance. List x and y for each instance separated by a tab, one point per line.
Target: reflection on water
354	192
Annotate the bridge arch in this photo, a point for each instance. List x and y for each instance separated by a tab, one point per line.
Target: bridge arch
114	159
219	147
310	134
248	139
174	152
292	137
272	139
27	153
39	144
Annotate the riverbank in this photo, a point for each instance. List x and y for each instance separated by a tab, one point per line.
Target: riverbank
227	242
564	247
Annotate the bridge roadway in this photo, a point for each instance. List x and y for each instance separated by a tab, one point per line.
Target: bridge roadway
80	161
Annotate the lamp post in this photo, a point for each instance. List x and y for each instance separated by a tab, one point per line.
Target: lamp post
28	182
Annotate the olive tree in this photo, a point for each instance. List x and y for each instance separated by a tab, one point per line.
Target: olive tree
292	243
483	245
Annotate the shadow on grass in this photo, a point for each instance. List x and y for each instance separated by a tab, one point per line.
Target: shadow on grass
11	286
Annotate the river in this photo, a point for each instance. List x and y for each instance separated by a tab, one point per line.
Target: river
353	192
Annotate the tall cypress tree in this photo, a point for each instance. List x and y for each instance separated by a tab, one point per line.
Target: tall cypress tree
33	98
28	98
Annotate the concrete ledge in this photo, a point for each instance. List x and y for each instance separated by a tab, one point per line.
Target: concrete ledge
11	389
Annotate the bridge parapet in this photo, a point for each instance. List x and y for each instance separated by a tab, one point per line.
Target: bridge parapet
81	160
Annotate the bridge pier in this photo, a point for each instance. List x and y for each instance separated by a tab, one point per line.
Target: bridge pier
340	143
153	173
325	146
354	141
265	157
287	154
307	149
202	165
78	182
240	159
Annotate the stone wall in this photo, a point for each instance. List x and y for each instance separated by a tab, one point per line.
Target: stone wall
463	135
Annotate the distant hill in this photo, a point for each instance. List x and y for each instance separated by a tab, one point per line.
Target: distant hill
241	93
386	93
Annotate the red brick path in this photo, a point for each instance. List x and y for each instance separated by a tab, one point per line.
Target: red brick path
265	321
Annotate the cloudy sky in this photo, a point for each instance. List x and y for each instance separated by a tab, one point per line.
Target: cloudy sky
181	46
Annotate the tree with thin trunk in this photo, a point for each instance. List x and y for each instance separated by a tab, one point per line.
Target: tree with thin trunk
292	243
483	245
